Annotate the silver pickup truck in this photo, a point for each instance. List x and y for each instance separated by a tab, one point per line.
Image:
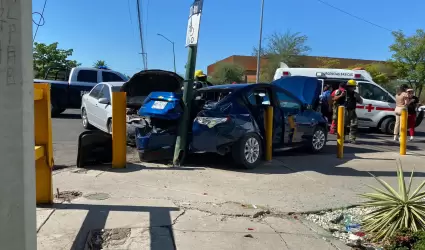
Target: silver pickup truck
67	86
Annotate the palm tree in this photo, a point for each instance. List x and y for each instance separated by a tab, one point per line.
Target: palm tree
100	63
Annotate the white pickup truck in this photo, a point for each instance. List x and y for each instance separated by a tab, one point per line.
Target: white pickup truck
67	86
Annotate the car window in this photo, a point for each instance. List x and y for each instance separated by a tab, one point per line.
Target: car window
286	101
96	90
372	92
105	93
111	77
258	97
87	76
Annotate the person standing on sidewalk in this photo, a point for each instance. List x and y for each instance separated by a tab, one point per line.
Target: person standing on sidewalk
401	100
352	98
338	99
411	111
326	102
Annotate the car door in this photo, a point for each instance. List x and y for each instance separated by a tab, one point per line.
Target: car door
375	100
290	108
258	99
91	105
102	110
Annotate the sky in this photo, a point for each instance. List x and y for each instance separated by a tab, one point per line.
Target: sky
107	30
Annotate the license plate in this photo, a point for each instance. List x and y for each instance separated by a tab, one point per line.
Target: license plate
159	105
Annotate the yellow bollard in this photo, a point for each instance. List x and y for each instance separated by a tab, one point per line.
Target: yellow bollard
340	132
403	132
269	132
119	130
43	149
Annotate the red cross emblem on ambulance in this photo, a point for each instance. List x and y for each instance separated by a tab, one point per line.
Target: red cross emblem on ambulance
369	108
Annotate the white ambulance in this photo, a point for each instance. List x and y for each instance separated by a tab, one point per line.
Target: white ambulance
377	110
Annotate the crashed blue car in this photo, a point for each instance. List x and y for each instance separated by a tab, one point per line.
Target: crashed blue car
229	119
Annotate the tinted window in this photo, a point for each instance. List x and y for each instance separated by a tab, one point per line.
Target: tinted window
105	93
87	76
111	77
372	92
96	90
258	97
286	101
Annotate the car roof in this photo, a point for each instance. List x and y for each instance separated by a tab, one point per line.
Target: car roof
234	86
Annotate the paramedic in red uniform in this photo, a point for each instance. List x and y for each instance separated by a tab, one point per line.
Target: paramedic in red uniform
411	111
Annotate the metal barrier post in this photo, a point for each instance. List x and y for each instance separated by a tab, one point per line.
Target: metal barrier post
43	144
340	132
269	132
403	132
119	130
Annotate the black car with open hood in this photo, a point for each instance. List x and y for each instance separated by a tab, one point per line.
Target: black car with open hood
143	83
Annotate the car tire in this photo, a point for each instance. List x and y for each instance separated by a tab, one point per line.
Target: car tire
109	125
55	111
387	125
247	152
85	119
318	140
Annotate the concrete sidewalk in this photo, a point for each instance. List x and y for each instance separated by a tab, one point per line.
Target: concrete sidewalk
153	206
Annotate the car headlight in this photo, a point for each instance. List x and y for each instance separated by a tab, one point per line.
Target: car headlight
210	121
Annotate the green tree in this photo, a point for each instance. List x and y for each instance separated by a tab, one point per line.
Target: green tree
226	73
100	63
408	58
328	63
379	74
47	56
281	47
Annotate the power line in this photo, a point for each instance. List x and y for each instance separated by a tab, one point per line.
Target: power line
141	35
354	16
129	13
41	18
146	23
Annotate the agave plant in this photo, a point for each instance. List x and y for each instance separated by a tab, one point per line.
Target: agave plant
394	210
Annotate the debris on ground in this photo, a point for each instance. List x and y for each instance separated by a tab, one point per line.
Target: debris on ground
345	224
248	236
67	195
261	213
100	239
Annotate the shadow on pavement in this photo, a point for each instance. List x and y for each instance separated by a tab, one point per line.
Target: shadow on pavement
68	116
324	162
159	218
131	167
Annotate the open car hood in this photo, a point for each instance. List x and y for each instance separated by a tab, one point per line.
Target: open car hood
143	83
307	89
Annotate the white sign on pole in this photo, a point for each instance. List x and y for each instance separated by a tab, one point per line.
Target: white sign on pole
193	25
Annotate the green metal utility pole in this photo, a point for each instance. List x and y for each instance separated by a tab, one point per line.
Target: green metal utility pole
192	44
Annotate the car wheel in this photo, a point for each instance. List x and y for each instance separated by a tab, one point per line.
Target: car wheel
85	119
387	126
247	152
55	111
318	140
109	125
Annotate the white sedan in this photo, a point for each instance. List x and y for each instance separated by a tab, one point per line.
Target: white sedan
96	108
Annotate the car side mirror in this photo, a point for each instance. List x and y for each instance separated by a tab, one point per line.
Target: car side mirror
104	101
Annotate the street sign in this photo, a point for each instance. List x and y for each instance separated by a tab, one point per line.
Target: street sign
193	30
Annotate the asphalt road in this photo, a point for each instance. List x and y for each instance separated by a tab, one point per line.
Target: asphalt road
67	128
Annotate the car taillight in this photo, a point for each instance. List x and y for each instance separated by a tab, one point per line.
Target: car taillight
211	121
357	75
286	73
